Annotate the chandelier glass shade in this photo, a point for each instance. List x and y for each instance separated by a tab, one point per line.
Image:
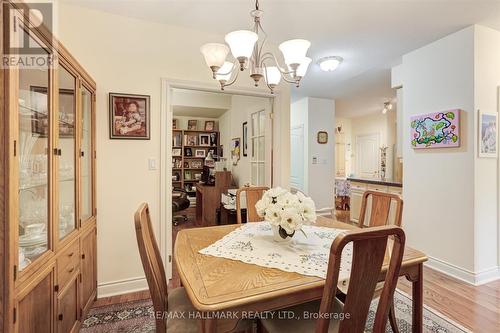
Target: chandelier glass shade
247	49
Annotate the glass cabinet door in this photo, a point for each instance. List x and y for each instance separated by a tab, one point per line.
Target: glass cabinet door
34	160
66	151
86	155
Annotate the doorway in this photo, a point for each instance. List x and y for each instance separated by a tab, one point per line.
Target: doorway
199	113
297	157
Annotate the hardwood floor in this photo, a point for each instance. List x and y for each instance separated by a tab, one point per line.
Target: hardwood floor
476	308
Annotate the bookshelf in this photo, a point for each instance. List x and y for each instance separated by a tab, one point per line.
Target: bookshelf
189	149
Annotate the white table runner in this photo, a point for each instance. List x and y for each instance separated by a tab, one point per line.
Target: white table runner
253	243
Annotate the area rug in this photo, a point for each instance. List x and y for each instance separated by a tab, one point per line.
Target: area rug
136	317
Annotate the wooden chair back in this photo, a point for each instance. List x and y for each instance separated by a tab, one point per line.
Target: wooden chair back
380	209
152	264
369	248
253	194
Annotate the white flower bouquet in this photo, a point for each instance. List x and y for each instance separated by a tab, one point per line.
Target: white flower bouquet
285	211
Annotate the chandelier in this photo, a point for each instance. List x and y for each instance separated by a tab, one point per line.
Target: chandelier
249	53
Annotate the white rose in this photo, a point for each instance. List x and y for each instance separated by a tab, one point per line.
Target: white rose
273	214
288	200
291	220
308	210
276	192
262	205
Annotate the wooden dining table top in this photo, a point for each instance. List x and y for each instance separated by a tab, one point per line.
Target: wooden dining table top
214	283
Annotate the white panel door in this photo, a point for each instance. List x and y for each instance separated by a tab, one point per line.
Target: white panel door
297	158
367	155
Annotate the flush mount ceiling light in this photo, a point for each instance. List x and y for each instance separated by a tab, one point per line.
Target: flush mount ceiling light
248	53
329	64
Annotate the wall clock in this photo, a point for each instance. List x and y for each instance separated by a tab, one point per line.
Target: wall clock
322	137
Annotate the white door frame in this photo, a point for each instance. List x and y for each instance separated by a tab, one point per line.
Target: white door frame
167	84
304	159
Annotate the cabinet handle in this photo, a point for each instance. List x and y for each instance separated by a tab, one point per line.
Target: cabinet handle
83	256
71	254
71	270
82	153
60	317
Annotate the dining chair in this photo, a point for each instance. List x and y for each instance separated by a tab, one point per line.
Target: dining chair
369	251
379	216
253	194
380	209
174	302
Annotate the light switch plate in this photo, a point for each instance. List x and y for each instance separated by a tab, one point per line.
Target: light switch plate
152	164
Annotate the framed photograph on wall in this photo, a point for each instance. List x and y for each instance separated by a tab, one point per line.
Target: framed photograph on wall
192	125
129	116
245	138
488	134
200	153
209	125
204	140
176	152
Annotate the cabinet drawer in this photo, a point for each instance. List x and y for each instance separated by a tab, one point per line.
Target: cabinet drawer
358	186
67	263
396	190
375	187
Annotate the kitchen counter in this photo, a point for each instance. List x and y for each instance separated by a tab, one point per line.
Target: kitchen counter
376	181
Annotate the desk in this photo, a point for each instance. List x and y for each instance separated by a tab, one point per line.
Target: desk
208	198
214	284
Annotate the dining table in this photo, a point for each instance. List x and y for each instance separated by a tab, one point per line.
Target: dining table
215	284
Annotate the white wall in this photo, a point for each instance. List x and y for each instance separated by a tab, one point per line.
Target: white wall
345	138
382	124
486	83
131	56
317	114
241	109
438	77
321	174
458	189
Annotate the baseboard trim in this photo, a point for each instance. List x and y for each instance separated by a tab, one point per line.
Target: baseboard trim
473	278
120	287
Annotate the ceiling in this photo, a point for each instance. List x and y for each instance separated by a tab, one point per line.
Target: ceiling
371	35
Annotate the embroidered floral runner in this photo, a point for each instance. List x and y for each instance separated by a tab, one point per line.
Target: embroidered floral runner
253	243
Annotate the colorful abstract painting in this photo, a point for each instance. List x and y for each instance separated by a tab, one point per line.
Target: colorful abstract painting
436	130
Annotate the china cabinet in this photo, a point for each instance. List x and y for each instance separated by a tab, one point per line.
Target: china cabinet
47	182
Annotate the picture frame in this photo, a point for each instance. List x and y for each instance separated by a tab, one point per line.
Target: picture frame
488	134
67	111
235	150
187	175
191	140
196	164
197	176
186	164
192	125
188	152
322	137
174	123
209	125
200	153
204	139
213	139
129	116
213	151
176	152
435	130
245	138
